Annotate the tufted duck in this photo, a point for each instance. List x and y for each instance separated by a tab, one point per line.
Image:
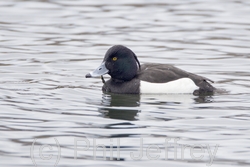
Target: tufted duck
129	77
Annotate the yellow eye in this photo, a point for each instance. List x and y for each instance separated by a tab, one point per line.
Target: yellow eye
114	58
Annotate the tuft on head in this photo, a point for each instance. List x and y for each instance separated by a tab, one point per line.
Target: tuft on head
121	62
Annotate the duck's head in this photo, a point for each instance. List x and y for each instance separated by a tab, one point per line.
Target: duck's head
119	62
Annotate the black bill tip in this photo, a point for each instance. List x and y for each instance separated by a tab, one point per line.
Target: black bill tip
88	75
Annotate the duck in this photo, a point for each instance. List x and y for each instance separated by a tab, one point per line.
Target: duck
128	76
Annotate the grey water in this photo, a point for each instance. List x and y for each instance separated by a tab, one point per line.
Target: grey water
51	115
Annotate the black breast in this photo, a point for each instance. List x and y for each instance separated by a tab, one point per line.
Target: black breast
123	87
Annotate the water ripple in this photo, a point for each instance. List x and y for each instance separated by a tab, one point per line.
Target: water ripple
47	47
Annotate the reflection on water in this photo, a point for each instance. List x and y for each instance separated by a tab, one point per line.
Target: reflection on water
47	47
119	106
123	100
126	107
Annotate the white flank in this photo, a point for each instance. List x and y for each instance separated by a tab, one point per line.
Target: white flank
180	86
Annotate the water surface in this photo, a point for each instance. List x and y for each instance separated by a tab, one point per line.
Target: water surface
47	47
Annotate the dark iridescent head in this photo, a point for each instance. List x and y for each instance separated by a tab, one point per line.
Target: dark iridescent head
119	62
